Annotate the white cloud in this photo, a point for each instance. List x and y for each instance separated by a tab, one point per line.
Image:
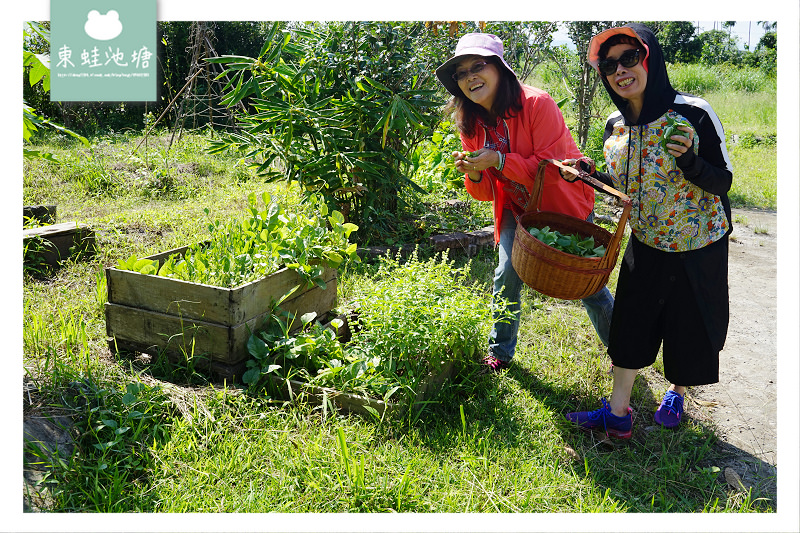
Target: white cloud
103	27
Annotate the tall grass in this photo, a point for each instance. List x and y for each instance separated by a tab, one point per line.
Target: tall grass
701	79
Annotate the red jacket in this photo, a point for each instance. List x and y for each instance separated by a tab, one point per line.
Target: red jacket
537	132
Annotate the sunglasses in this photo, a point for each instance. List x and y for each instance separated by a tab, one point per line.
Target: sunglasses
474	69
628	59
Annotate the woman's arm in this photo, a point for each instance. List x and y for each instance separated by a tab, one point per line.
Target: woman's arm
710	169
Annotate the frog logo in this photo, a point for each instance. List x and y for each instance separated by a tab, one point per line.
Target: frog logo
103	27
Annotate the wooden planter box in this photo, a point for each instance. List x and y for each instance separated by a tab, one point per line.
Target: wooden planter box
60	242
202	323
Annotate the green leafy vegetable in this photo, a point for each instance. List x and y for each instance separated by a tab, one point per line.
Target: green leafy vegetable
571	244
241	251
672	129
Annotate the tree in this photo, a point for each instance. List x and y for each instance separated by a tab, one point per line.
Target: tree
718	47
768	26
729	25
677	41
580	77
336	107
768	41
526	44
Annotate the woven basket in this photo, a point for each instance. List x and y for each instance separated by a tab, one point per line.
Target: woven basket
556	273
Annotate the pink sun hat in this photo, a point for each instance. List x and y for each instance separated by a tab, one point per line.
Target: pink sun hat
471	44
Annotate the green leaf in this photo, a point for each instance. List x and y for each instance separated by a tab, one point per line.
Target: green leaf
333	258
103	446
257	347
129	399
251	376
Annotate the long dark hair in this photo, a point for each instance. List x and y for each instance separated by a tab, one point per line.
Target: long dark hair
507	102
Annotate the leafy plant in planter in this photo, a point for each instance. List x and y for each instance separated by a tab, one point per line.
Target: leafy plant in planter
412	318
334	106
251	248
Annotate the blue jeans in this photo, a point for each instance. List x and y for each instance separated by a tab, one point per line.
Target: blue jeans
503	338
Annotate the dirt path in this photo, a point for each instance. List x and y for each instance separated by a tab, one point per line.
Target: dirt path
743	405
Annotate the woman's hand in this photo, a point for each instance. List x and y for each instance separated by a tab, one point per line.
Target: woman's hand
479	161
566	174
584	164
680	144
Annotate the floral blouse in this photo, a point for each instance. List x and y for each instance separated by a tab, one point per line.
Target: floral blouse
669	212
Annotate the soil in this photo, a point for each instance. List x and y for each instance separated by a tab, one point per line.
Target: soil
743	405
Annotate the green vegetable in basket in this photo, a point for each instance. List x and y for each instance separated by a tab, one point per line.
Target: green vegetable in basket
672	129
571	244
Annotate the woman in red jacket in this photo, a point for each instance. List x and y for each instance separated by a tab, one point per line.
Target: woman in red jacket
512	127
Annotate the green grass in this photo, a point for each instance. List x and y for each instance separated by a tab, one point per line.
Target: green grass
497	444
701	79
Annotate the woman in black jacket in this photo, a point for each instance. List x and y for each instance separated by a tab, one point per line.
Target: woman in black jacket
673	281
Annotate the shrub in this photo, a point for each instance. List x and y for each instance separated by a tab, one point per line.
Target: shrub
411	318
337	108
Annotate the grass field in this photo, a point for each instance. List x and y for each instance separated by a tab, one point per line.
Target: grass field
495	444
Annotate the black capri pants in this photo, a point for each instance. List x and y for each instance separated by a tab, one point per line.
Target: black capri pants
679	299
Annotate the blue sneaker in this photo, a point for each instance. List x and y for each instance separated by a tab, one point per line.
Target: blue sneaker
619	427
671	409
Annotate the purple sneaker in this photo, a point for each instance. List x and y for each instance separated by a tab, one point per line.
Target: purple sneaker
671	409
619	427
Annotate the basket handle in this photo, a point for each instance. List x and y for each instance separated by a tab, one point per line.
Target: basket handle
536	199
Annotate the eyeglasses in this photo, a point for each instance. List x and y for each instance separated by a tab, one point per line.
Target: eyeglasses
474	69
628	59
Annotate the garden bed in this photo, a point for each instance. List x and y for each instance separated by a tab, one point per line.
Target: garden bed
202	323
50	245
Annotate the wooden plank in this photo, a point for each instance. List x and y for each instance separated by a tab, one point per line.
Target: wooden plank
163	256
152	332
252	299
62	241
64	228
193	301
430	386
296	390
